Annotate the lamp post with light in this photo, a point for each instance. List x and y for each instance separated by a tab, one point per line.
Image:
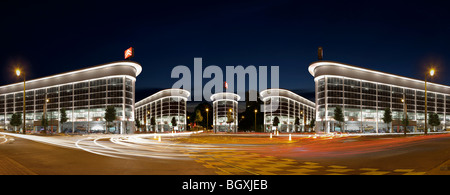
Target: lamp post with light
255	118
431	73
18	72
231	112
405	113
207	119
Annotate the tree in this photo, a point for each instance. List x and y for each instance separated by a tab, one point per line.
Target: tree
405	122
16	120
44	123
137	123
206	116
312	123
198	117
387	117
174	123
110	116
230	119
275	122
247	118
297	122
63	117
153	123
339	116
433	120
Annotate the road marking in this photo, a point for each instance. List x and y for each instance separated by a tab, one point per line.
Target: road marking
311	166
415	173
403	170
368	169
340	170
375	173
242	163
337	167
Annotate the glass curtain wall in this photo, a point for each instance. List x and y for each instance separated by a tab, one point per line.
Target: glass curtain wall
223	109
287	111
162	111
363	104
85	103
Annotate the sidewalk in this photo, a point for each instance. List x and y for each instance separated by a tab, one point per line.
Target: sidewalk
442	169
11	167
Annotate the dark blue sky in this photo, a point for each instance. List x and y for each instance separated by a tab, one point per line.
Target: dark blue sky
59	36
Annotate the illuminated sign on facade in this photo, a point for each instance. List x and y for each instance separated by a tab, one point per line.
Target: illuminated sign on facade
129	53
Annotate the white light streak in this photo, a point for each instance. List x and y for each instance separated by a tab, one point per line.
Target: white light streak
123	146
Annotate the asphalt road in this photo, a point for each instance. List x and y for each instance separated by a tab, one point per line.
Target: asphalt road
422	154
24	156
211	155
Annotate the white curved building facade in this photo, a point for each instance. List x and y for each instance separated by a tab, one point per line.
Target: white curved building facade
293	111
363	94
225	109
84	94
161	108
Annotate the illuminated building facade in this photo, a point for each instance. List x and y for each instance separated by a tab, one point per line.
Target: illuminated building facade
84	94
161	108
225	112
363	95
293	111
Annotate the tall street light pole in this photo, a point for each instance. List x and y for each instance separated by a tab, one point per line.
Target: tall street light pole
18	72
405	112
431	73
255	118
207	119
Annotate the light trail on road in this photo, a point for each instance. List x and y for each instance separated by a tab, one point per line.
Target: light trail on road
125	146
4	139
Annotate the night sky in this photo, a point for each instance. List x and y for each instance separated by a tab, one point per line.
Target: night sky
398	37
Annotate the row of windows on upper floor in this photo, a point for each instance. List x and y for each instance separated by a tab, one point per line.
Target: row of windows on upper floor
430	97
75	88
52	99
341	100
381	106
363	108
370	88
68	104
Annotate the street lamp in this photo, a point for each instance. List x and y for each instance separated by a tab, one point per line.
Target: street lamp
145	118
431	73
18	72
207	119
231	112
255	118
45	113
405	112
304	120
